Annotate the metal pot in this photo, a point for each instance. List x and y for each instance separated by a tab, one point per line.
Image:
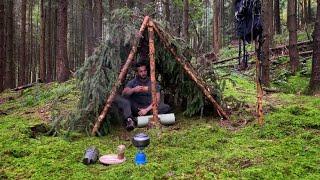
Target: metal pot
141	140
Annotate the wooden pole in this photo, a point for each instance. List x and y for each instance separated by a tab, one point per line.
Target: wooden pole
259	87
155	119
190	71
120	79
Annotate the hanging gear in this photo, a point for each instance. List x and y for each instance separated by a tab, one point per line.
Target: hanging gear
248	24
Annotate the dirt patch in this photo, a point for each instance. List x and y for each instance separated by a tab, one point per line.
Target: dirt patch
233	126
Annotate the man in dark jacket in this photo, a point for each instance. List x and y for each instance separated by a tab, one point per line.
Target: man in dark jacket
136	99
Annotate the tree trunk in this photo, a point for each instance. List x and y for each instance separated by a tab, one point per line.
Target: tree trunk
305	12
2	44
185	29
167	11
23	60
89	28
42	63
309	12
98	9
216	26
292	27
277	22
48	48
267	19
315	73
62	53
10	77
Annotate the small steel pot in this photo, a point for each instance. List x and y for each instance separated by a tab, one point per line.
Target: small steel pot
141	140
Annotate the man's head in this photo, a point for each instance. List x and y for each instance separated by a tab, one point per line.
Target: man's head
142	71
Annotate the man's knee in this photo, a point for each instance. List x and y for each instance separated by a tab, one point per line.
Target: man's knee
164	108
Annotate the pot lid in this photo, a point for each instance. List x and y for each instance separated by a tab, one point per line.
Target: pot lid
141	137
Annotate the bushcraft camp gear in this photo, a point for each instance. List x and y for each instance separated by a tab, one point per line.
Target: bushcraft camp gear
248	24
165	119
114	158
91	155
141	141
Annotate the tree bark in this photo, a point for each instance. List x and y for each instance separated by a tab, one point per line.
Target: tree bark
216	26
62	53
277	22
185	29
267	19
121	78
167	11
10	78
315	72
98	9
2	44
42	63
153	76
309	12
89	32
292	27
23	60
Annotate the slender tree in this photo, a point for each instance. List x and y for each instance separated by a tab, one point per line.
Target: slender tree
42	63
315	73
98	13
277	22
216	26
89	28
23	59
62	54
2	44
10	77
167	10
267	20
185	29
292	27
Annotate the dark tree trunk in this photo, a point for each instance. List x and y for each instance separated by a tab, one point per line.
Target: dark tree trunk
267	20
305	12
89	28
309	12
2	44
167	11
277	22
48	48
185	29
216	26
10	78
315	73
62	53
292	27
42	63
98	12
23	60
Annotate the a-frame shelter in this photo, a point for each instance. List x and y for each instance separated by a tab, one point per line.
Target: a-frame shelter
187	67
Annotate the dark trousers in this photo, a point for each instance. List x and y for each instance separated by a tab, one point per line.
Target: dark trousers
130	109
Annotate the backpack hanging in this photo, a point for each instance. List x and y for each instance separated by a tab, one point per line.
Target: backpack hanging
248	24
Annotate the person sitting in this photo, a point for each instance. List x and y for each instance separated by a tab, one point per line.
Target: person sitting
136	99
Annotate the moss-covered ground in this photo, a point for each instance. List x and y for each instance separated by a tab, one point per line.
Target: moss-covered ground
286	147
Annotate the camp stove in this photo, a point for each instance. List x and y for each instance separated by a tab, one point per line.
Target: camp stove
141	141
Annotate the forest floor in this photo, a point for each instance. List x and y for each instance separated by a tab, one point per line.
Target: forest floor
287	146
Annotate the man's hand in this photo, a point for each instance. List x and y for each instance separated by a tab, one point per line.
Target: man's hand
143	111
140	89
